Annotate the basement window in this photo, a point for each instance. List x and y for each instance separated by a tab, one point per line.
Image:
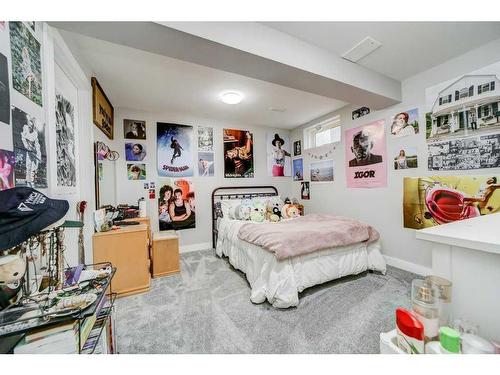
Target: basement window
323	133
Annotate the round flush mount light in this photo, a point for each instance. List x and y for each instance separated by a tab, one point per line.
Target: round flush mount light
231	97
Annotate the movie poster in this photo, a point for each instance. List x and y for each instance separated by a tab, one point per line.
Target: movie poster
4	91
28	135
26	62
65	142
176	204
305	192
366	156
405	157
430	201
405	123
175	150
464	106
205	164
205	139
238	154
7	166
298	169
278	155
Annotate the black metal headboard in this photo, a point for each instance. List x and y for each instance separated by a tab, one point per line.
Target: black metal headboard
236	192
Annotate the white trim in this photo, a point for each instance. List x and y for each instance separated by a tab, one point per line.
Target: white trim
408	266
195	247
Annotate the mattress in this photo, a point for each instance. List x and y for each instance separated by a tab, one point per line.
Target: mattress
280	282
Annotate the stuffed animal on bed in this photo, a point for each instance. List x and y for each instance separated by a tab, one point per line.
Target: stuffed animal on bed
290	211
258	213
274	207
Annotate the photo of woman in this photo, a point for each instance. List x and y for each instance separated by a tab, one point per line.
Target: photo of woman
135	152
136	171
406	158
176	205
405	123
278	156
6	169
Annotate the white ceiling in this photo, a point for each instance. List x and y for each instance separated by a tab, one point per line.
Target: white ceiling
141	80
407	47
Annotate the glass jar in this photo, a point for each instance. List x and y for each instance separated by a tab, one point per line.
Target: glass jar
426	308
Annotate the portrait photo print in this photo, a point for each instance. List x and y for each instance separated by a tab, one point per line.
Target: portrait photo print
134	129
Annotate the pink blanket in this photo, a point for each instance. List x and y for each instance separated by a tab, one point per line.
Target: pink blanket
307	234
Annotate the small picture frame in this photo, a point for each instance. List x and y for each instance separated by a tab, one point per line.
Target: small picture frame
297	148
102	109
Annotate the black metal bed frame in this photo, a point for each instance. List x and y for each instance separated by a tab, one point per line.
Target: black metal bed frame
248	192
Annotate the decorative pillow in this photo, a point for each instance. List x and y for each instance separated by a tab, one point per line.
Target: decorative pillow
228	205
243	210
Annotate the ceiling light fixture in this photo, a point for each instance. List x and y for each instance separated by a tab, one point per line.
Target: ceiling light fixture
231	97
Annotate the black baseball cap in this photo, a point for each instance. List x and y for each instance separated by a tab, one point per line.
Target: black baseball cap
24	212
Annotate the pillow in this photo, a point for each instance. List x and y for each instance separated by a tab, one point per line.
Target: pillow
243	210
228	205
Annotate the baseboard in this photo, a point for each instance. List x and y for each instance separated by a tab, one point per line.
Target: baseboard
195	247
408	266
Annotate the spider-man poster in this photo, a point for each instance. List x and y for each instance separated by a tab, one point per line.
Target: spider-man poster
175	150
430	201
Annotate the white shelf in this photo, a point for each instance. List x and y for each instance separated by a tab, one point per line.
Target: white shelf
479	233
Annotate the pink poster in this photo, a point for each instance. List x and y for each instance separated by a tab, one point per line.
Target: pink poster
366	164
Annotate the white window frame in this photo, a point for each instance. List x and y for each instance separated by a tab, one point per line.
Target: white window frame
311	132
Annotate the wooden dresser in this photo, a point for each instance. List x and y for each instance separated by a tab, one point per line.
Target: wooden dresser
128	250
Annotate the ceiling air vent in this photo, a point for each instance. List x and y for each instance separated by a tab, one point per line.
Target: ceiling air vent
362	49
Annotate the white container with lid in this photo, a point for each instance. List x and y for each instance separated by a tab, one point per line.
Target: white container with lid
472	344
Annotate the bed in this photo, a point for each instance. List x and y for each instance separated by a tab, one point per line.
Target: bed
281	281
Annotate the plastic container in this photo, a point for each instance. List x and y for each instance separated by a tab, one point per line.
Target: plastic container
389	343
449	342
410	332
426	308
443	288
472	344
142	208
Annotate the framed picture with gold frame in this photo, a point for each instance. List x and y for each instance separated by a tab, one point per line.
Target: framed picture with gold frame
102	110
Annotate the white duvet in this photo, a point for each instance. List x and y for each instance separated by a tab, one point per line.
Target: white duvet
280	282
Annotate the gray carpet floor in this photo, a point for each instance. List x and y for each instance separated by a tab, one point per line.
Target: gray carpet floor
207	309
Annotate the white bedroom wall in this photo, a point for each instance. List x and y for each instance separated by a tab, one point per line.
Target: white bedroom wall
130	191
382	207
52	44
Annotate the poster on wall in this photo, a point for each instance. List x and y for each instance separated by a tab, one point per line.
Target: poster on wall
238	154
135	151
28	134
304	190
205	139
297	148
175	150
298	169
465	153
321	171
65	142
405	158
136	171
464	106
26	62
405	123
176	204
366	156
4	91
7	166
134	129
205	164
435	200
278	155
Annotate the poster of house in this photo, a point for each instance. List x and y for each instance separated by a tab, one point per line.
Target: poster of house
464	106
